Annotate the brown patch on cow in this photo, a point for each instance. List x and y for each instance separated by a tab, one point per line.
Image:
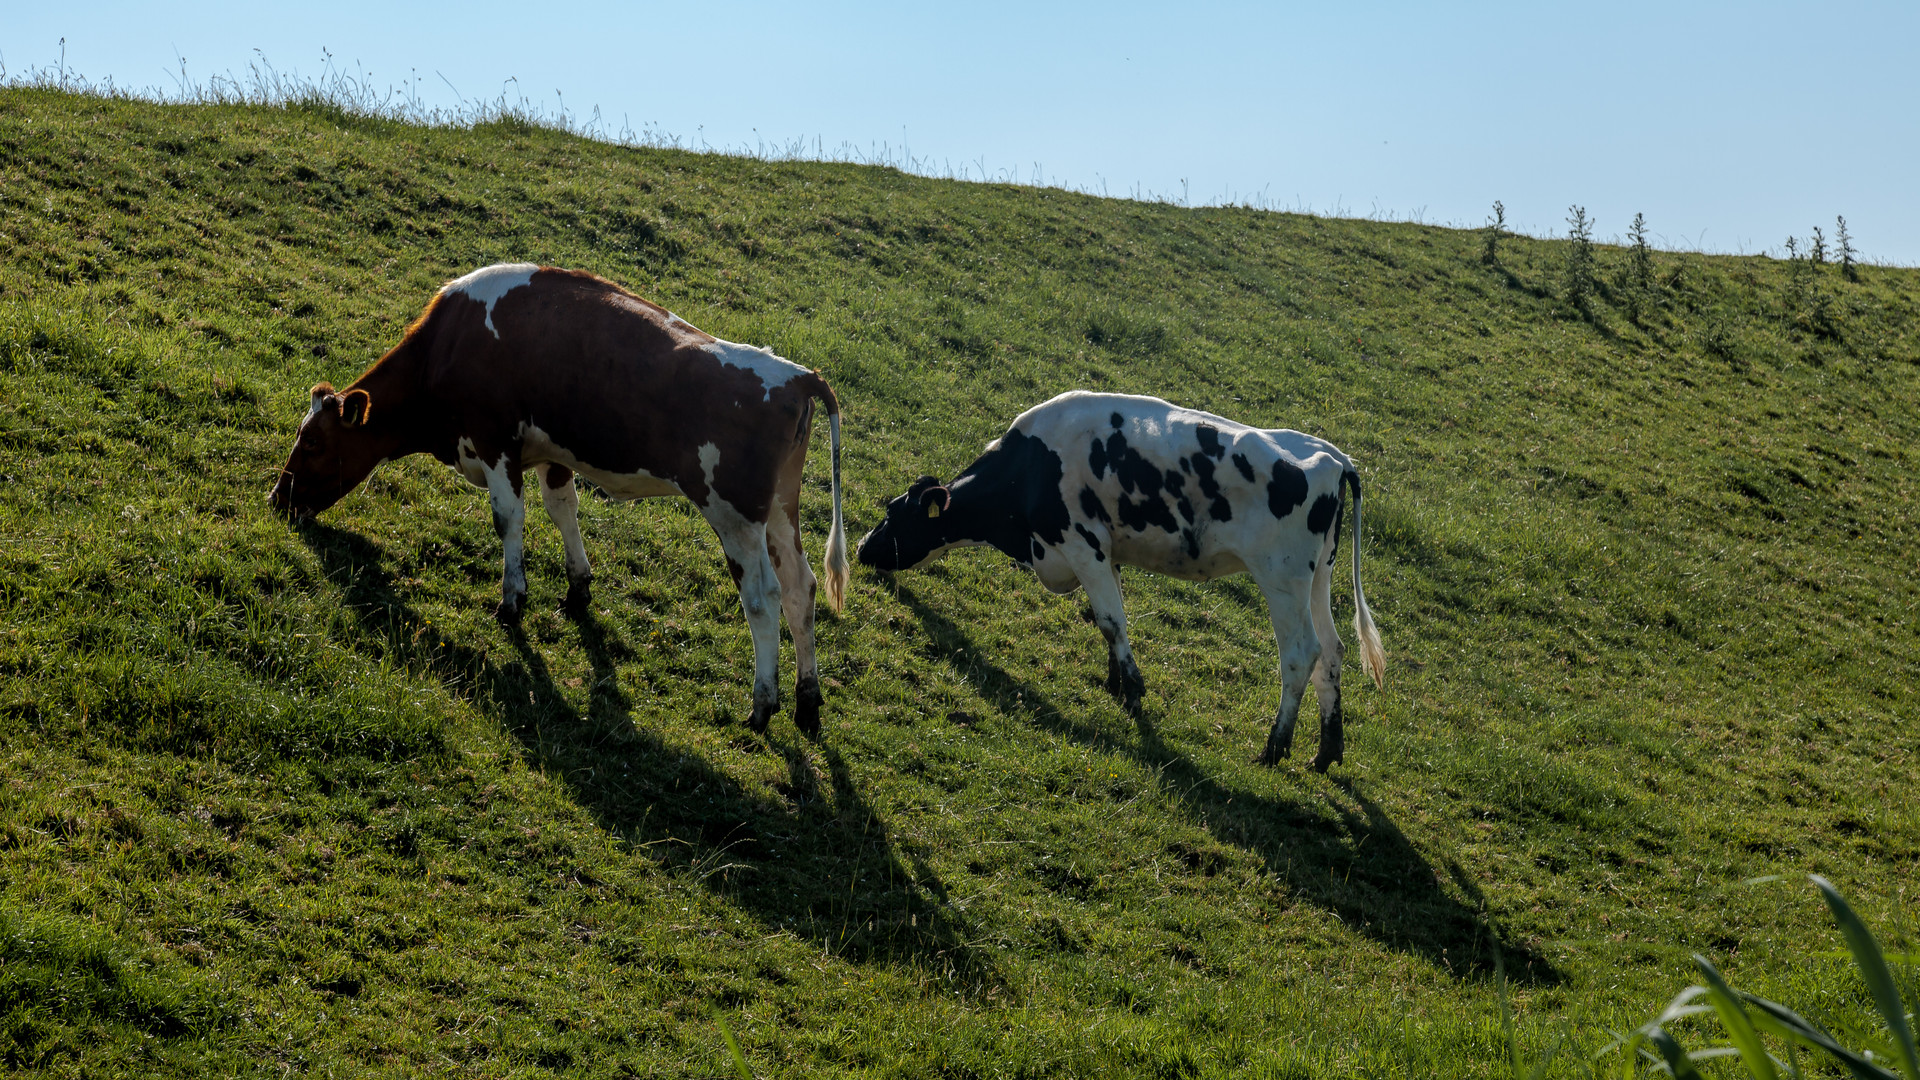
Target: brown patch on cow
735	569
559	476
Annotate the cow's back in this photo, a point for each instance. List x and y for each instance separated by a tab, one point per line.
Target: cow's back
1186	493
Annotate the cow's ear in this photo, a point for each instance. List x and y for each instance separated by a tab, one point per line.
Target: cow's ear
320	393
936	499
355	407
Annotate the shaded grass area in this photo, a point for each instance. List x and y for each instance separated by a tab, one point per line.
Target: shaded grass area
288	799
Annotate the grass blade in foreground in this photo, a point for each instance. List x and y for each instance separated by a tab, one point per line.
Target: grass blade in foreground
1873	968
1784	1023
1733	1017
1654	1031
733	1048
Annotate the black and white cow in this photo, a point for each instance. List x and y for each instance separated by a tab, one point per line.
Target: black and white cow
1086	482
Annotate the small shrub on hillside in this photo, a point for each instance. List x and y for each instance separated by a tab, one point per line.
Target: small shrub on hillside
1490	236
1639	284
1809	307
1716	338
1848	268
1578	283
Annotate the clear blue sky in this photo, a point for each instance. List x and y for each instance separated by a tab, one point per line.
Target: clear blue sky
1730	125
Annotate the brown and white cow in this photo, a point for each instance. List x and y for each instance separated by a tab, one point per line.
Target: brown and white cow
519	366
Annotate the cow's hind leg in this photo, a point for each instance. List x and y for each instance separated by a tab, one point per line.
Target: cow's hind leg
797	587
1293	629
745	543
509	521
1326	667
562	500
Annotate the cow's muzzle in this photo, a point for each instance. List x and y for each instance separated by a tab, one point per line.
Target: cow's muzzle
281	499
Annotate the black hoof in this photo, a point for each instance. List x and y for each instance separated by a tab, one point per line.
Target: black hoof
1322	762
1279	748
762	716
579	600
508	614
806	708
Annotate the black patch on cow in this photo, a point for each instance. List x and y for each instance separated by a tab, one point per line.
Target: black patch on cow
1209	437
1012	496
1177	487
1326	510
1138	515
1008	498
1193	543
1116	420
1137	474
1288	488
1092	541
1184	467
1217	506
1091	507
1246	467
1097	460
1039	550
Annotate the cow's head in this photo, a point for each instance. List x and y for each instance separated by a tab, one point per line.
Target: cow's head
914	531
333	453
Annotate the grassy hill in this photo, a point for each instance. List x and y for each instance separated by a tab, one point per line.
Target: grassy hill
277	799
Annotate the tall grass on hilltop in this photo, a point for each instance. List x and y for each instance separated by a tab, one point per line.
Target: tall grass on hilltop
281	801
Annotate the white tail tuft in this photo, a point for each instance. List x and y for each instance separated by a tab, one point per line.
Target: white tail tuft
837	538
1372	657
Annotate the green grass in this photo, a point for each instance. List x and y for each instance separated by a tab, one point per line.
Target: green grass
277	799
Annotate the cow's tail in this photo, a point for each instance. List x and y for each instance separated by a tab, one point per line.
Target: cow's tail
1372	657
836	566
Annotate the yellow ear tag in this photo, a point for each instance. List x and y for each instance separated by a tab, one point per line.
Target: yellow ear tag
933	509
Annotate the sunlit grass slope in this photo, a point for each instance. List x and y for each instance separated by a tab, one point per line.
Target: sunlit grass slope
277	799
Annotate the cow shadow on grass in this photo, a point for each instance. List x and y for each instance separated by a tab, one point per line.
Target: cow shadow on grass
1347	856
813	858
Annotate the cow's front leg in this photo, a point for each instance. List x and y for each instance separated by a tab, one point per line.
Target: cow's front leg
562	500
1293	630
745	543
509	521
1102	582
